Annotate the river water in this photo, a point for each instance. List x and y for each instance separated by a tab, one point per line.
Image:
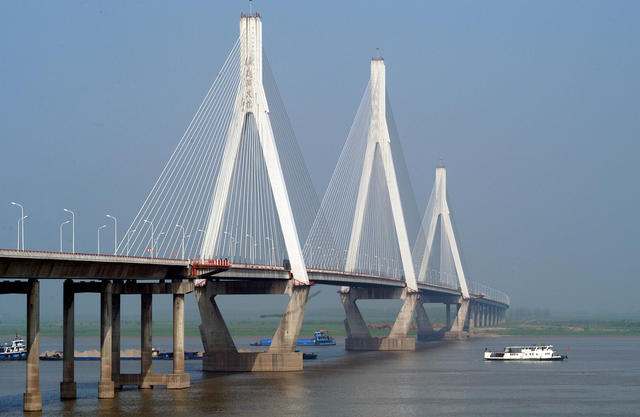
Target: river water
601	377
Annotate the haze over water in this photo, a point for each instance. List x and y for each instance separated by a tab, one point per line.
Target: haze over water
601	377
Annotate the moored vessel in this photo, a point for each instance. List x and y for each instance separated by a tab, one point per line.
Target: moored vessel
524	353
320	338
14	351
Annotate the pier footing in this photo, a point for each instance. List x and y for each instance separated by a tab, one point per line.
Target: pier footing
68	390
221	354
32	401
381	343
252	362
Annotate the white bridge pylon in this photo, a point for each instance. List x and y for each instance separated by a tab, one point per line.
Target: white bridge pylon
438	211
379	144
251	101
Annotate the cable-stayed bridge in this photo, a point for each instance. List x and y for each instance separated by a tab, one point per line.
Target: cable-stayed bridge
234	211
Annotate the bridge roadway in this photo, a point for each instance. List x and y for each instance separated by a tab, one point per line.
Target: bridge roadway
29	264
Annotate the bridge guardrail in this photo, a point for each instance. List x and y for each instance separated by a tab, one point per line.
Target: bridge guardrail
489	292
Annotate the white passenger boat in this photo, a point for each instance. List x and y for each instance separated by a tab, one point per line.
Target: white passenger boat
524	353
14	351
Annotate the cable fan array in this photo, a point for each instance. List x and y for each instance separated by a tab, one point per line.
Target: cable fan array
173	218
378	251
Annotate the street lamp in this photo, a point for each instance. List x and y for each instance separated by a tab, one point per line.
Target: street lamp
100	228
152	241
73	230
158	238
21	222
273	261
183	232
115	234
255	244
62	224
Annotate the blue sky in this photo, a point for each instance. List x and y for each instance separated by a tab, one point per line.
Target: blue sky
534	106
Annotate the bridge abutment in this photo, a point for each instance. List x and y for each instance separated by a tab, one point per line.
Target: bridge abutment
221	354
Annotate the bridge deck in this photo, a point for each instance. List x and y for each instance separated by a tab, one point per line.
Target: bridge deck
15	264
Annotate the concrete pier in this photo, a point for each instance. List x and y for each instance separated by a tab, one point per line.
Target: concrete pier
178	333
358	335
221	354
459	329
32	398
68	385
115	338
425	328
178	379
146	359
106	388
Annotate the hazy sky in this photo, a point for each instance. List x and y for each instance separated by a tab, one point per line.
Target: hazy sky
534	106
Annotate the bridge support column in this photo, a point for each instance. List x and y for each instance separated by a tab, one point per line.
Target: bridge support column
115	339
358	335
147	378
178	379
106	386
448	318
425	328
32	398
146	358
221	354
68	385
459	328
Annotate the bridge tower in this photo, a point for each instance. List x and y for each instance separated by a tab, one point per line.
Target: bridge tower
438	213
251	103
379	146
251	111
378	151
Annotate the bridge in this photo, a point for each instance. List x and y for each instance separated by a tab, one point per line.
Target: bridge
234	211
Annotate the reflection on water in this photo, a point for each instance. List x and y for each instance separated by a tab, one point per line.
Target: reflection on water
601	377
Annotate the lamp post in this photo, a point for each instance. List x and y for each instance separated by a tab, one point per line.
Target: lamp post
158	238
252	254
62	224
73	230
21	222
100	228
152	241
232	244
115	233
273	261
183	232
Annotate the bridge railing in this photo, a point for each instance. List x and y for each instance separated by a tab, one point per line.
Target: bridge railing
441	279
479	288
